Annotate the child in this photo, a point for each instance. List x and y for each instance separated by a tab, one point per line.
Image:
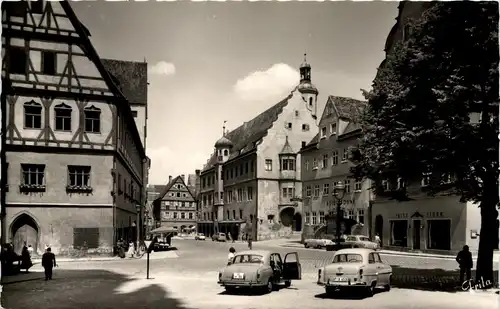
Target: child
230	256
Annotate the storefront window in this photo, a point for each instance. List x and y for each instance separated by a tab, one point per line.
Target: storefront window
399	230
439	234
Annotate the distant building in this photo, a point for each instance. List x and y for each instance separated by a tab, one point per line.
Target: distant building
177	206
73	163
152	193
251	184
325	162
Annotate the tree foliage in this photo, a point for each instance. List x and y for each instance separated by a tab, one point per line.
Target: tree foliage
418	118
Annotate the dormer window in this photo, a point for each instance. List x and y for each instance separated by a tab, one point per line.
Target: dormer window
305	127
323	132
333	128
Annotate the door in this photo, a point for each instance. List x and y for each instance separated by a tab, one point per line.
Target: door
291	267
384	270
416	234
277	267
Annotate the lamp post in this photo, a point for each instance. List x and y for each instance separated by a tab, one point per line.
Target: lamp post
338	193
137	225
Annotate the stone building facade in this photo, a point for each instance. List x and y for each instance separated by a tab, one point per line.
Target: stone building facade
251	184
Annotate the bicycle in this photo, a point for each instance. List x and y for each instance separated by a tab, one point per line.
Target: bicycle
139	253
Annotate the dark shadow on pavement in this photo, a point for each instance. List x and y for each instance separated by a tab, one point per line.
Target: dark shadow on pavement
254	291
86	289
429	279
354	294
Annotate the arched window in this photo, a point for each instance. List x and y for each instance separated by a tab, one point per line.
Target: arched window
32	115
63	117
310	101
92	119
226	153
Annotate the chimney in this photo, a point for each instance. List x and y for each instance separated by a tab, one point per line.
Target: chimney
183	178
169	178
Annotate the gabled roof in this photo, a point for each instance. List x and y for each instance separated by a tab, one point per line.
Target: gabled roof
245	136
131	77
348	108
169	185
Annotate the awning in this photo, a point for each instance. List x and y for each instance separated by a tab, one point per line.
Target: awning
162	230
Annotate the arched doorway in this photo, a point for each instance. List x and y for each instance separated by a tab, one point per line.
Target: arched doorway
24	229
297	219
287	216
379	226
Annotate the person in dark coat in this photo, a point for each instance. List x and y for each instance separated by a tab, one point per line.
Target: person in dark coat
48	263
464	260
26	259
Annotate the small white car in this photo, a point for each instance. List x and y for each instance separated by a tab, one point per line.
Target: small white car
200	236
355	269
359	241
317	243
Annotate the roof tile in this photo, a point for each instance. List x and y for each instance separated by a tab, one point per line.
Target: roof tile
131	77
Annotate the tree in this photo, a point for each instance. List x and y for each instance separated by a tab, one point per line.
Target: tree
418	118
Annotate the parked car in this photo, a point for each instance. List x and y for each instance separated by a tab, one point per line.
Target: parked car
219	237
317	243
359	268
200	236
260	269
161	245
359	241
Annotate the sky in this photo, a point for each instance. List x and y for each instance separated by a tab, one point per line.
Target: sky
210	62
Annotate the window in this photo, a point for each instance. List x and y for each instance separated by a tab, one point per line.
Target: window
345	154
191	215
288	125
357	186
234	214
18	60
321	217
251	166
347	185
269	165
288	164
307	165
425	179
79	176
249	193
303	144
308	191
32	115
307	219
401	183
316	191
361	216
288	192
325	161
326	189
305	127
386	186
241	214
246	167
49	65
315	164
183	215
310	101
228	215
33	174
240	195
230	197
333	129
175	215
92	119
350	214
335	158
226	152
323	132
36	6
134	114
296	113
314	218
371	259
63	117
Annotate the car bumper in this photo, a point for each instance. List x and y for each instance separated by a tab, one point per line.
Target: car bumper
247	284
347	284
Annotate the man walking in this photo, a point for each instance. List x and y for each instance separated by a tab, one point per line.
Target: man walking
48	263
464	260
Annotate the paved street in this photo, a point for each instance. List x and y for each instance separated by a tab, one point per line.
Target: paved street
189	281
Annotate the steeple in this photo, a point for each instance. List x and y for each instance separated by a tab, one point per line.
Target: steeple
305	71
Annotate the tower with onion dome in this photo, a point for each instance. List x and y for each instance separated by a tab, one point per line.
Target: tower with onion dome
308	91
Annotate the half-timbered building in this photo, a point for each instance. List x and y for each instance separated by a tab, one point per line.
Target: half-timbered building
72	155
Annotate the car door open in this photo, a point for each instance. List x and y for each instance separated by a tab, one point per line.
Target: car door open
291	267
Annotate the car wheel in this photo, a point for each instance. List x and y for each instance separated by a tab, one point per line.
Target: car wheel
355	246
230	289
330	291
371	289
288	283
269	286
387	287
306	245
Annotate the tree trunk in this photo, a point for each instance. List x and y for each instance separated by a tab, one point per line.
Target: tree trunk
487	238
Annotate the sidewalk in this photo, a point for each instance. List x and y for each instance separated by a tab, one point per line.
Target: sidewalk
36	273
82	259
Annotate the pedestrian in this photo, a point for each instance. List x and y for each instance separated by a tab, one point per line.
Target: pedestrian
230	256
131	250
249	242
377	240
25	259
48	263
464	260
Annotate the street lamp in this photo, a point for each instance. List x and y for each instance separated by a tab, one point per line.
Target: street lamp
338	193
138	225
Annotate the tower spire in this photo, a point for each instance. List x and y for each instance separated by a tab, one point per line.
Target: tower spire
224	128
